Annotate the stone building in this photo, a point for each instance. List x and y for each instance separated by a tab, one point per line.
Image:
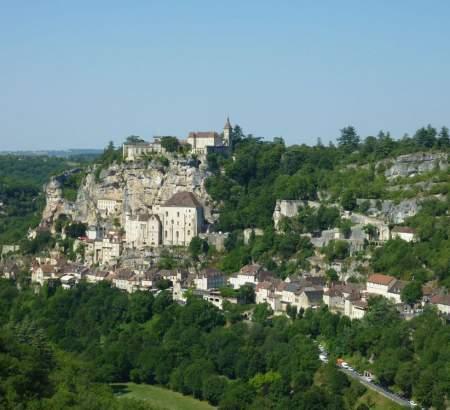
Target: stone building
204	142
182	217
132	151
142	230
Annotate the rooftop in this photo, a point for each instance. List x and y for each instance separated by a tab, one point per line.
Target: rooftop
403	229
184	199
441	300
203	134
380	279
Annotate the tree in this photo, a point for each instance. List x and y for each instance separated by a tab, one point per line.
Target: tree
349	139
444	138
411	293
348	200
332	275
346	228
198	246
170	144
261	312
134	139
76	230
246	295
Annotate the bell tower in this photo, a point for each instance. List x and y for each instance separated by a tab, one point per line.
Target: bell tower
227	133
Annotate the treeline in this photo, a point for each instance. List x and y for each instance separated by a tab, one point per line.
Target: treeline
198	350
261	172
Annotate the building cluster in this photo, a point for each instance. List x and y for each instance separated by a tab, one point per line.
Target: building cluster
173	223
199	142
295	292
364	228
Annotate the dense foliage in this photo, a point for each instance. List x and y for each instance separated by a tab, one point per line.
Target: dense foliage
198	350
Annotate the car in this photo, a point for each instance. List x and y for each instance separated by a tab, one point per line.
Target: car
344	365
413	403
368	379
351	368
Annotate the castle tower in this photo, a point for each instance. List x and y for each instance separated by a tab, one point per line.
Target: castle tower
227	133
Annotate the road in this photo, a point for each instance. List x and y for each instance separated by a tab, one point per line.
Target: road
386	393
370	385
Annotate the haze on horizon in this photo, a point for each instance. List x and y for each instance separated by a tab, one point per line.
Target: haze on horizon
78	75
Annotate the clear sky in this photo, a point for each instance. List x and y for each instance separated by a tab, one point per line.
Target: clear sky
76	74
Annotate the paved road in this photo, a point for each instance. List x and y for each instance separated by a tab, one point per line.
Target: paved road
386	393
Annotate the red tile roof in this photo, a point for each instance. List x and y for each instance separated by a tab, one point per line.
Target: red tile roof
441	300
380	279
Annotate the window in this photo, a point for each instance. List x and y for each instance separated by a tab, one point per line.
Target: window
167	213
178	214
177	234
165	234
189	233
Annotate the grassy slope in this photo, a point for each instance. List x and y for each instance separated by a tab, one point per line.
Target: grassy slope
159	397
377	401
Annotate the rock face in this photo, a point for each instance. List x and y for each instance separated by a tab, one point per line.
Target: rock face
289	208
418	163
55	203
390	211
135	186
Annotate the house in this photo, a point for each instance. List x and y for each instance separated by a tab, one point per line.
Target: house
183	219
149	279
214	297
250	275
266	292
336	296
42	273
126	280
68	281
309	297
442	302
395	290
96	276
403	232
379	284
104	251
210	279
355	308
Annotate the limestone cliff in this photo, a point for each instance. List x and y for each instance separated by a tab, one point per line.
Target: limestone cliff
413	164
136	186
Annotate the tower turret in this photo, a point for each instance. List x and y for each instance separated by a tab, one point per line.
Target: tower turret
227	133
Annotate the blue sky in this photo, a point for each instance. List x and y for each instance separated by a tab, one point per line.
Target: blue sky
78	74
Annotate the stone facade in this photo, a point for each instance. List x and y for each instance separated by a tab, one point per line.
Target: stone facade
142	230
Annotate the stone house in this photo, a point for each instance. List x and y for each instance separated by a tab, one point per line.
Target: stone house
379	284
403	232
250	275
95	276
125	280
442	302
355	308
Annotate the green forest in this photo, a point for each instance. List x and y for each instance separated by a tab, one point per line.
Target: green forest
61	348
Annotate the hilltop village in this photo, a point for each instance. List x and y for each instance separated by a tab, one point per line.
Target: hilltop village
137	217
